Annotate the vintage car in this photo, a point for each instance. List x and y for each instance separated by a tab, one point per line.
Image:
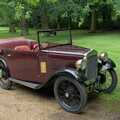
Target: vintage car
72	71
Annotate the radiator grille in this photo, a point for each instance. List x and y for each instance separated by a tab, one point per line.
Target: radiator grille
91	71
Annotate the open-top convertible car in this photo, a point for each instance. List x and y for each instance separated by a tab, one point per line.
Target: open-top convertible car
72	71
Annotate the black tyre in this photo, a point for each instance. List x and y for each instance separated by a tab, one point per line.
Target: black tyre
70	94
5	83
109	81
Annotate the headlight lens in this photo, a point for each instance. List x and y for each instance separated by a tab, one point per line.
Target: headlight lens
81	64
103	56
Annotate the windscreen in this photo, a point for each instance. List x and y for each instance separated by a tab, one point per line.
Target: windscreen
57	37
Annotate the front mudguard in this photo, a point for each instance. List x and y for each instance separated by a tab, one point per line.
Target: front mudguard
107	65
71	72
103	66
66	72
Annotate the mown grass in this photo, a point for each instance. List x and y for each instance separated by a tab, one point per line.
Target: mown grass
108	41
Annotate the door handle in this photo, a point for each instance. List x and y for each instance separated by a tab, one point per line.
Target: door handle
9	55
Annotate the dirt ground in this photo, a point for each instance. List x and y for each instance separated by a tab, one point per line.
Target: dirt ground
26	104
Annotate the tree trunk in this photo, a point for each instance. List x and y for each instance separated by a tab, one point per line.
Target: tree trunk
12	28
93	21
58	22
58	25
107	17
24	27
44	21
44	15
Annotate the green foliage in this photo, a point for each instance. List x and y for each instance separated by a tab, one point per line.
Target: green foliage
56	11
22	11
117	6
7	11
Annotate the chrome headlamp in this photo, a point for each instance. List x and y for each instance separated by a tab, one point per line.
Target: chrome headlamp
81	64
103	56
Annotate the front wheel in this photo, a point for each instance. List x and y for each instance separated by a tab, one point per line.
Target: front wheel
108	81
70	94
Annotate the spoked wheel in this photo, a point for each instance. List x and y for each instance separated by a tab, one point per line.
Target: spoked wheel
70	94
5	83
108	81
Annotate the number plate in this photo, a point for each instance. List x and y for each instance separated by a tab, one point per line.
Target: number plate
43	67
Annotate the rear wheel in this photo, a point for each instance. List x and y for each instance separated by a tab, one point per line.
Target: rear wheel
70	94
5	83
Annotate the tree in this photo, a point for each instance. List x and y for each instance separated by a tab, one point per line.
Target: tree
63	9
117	7
116	4
106	9
44	10
53	11
97	9
7	13
93	6
23	14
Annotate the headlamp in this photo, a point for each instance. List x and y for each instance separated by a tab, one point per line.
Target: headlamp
81	64
103	56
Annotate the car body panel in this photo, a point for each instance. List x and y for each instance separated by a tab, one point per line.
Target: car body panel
23	65
39	66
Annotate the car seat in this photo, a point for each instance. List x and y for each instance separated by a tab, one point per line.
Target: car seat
23	48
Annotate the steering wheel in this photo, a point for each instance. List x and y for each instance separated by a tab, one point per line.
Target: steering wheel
43	46
35	47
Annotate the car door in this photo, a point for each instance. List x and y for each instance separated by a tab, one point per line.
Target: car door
24	65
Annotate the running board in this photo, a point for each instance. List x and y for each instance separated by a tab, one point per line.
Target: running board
27	84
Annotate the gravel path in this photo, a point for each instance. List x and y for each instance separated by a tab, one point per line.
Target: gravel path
26	104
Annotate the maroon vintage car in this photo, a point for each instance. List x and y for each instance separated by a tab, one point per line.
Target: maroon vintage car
72	71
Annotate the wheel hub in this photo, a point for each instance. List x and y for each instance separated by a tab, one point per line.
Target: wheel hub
67	95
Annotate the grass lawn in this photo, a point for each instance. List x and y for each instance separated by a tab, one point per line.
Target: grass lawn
109	41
